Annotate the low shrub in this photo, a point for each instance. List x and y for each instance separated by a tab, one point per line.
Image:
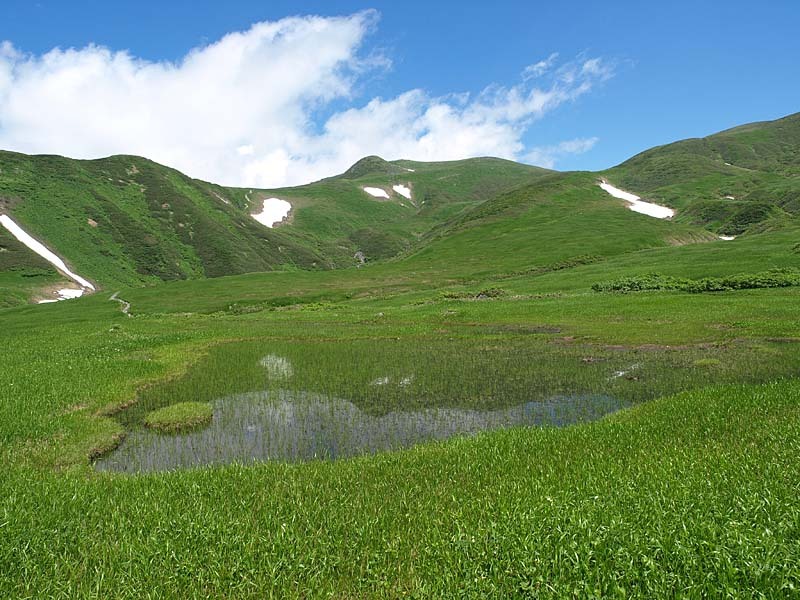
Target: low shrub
773	278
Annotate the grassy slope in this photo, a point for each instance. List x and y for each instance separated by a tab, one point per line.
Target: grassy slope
338	218
757	164
128	221
554	222
22	273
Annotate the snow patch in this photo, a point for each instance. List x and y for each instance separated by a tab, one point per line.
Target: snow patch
69	294
274	210
377	192
41	250
727	238
403	190
730	197
636	204
64	294
409	170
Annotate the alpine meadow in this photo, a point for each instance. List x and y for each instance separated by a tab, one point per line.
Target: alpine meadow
472	378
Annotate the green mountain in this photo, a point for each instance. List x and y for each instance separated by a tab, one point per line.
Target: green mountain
127	221
338	218
743	180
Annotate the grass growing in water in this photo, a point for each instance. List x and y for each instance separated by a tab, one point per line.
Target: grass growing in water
296	400
180	417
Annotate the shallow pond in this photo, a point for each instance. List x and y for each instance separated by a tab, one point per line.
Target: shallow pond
294	401
297	426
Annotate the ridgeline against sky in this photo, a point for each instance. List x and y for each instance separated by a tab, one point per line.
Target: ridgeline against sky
244	95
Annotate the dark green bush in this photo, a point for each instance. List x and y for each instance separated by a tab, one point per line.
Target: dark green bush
639	283
654	281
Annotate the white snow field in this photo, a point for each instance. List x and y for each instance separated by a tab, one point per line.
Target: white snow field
64	294
42	251
403	190
377	192
638	205
274	210
69	293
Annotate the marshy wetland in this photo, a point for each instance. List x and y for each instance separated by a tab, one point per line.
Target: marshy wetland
704	450
262	400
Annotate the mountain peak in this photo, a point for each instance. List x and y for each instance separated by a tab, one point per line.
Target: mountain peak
371	165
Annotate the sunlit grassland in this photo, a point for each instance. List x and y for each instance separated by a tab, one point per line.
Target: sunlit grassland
695	493
692	494
558	270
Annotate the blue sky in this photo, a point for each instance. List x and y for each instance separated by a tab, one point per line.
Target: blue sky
673	70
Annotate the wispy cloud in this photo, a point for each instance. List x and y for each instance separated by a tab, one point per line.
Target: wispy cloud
540	68
242	111
547	156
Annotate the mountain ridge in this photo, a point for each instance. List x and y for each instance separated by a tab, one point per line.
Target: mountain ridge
126	220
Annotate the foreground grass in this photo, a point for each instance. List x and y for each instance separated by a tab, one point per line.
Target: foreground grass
694	495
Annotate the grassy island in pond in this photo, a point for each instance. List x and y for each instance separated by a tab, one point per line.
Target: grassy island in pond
180	417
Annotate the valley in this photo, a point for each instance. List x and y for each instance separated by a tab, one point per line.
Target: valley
532	384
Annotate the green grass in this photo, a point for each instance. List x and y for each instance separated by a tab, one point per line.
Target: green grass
691	492
179	417
128	221
23	274
694	492
744	180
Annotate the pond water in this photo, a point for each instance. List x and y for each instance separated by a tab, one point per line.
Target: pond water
292	426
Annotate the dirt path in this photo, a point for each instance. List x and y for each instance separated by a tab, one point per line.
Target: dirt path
125	307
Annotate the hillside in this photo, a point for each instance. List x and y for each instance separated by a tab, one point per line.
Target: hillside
340	217
129	221
743	180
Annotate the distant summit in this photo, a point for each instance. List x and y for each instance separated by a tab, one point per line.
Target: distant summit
371	165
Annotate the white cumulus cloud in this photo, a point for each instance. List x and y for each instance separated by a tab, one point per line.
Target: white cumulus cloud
243	110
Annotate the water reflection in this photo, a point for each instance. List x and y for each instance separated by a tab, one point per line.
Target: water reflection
290	426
